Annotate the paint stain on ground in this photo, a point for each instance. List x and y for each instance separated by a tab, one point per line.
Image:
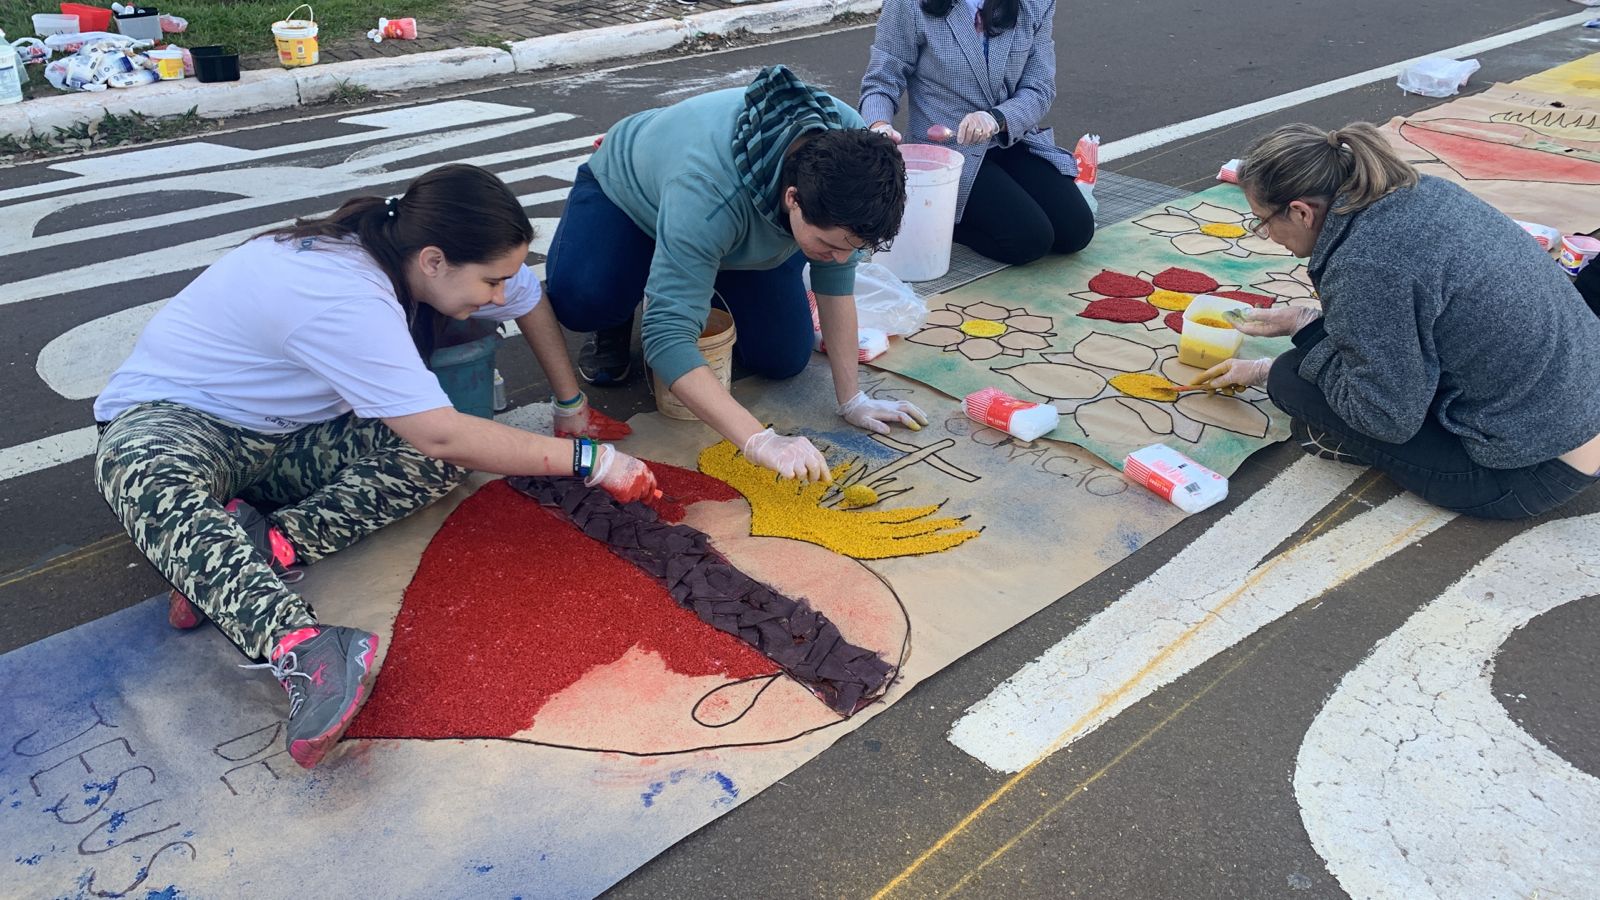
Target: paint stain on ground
30	860
729	792
170	892
480	868
512	605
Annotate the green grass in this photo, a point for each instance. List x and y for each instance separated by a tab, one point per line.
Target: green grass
246	25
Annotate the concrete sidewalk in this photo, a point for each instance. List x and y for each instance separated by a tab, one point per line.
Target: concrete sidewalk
547	35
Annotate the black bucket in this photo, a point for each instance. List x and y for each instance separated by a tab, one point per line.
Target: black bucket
214	63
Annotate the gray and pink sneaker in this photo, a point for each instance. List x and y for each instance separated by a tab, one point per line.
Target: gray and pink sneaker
268	541
326	670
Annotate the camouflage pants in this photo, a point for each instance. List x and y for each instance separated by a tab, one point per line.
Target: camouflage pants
168	470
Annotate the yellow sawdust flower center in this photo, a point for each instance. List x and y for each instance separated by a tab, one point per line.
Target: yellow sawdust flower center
788	509
1173	300
857	495
983	328
1223	230
1146	386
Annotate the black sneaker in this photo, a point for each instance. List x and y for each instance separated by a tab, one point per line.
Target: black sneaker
607	356
268	541
1324	444
326	671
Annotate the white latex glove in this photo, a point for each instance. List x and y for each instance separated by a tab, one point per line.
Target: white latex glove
790	457
887	130
977	128
622	476
876	415
583	419
1242	372
1277	321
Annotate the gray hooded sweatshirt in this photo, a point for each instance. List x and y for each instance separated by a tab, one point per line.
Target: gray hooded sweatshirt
1435	303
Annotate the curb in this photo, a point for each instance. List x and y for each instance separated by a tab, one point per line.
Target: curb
258	90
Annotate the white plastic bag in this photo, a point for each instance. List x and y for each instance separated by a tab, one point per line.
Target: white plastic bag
885	302
1437	76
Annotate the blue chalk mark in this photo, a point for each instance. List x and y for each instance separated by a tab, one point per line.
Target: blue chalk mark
30	860
170	892
730	792
108	786
189	833
90	801
480	868
649	796
117	820
16	803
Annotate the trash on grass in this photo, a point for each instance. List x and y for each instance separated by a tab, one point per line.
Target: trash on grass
100	60
394	29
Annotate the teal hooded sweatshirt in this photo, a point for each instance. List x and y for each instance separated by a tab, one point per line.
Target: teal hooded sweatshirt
701	178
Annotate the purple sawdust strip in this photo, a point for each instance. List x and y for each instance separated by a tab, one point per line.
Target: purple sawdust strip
799	639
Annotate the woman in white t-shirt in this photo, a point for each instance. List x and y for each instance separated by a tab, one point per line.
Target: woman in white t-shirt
289	375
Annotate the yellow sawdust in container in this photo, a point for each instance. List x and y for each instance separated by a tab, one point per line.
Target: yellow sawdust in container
983	328
856	496
1176	301
1213	322
1146	386
1223	230
788	509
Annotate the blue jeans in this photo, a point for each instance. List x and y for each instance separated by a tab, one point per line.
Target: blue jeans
1434	464
599	262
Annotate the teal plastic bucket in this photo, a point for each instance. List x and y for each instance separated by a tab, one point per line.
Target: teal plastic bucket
466	372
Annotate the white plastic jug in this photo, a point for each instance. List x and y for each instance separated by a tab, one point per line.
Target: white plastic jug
921	252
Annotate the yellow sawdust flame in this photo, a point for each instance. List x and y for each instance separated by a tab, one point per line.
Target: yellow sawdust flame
788	509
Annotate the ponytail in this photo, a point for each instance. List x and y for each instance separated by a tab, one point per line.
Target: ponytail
1353	165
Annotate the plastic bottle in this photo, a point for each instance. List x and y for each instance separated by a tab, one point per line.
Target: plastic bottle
1175	478
11	73
1021	419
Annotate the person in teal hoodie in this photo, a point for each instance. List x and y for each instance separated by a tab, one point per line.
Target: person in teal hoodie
730	194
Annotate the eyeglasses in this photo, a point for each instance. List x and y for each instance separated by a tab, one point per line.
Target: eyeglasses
1258	226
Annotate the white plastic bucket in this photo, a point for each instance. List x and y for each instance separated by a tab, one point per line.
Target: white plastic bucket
46	24
716	345
921	252
1203	345
296	38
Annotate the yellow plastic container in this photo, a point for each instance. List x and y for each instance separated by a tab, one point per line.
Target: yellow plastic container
1203	346
716	345
297	38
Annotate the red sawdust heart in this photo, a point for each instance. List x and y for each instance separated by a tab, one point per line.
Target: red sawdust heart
511	605
1260	301
1120	309
1185	281
1174	321
1116	284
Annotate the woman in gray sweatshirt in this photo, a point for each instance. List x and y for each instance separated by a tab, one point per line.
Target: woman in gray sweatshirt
1450	352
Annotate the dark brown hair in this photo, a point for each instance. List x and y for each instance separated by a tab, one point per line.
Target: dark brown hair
1353	163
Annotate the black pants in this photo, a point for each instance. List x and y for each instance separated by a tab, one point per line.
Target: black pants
1588	283
1434	464
1021	208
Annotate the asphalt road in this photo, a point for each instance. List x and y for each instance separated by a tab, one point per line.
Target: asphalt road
1186	794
